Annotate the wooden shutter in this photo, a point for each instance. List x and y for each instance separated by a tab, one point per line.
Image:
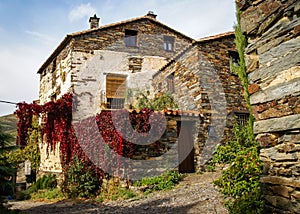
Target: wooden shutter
115	86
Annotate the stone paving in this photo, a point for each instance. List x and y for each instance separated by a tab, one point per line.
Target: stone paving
195	194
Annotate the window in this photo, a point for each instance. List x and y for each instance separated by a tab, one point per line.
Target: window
242	118
170	83
234	57
168	43
53	65
135	64
53	97
131	38
159	87
115	91
115	103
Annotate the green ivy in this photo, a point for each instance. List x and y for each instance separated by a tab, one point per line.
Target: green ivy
240	70
240	182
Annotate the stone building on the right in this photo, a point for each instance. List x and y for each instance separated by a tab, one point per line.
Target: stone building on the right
272	28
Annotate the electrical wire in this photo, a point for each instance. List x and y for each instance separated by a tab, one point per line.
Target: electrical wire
8	102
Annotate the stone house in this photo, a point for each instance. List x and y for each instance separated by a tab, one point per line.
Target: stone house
200	79
272	60
105	66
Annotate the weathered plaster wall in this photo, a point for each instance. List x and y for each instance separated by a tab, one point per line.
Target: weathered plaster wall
203	82
56	79
90	71
272	56
50	160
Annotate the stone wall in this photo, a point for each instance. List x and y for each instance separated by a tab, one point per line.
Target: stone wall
89	55
82	61
150	39
56	78
90	72
203	82
157	157
272	28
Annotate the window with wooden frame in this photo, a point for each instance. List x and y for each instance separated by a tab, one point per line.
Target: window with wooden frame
115	91
242	118
170	83
168	43
131	38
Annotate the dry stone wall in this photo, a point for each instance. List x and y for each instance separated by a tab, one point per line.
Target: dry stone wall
272	56
203	82
150	39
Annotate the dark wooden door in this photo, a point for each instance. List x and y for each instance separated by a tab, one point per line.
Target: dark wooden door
186	147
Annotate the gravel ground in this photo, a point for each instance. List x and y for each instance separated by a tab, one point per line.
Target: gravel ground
195	194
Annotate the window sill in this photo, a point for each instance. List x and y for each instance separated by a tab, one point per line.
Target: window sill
171	51
129	46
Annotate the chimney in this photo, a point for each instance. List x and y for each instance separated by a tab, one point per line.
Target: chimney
151	15
94	22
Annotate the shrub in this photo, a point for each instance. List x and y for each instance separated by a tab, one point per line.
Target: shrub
79	182
46	182
55	193
115	191
240	182
162	182
161	102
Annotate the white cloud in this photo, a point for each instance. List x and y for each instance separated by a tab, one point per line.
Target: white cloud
46	39
81	11
18	78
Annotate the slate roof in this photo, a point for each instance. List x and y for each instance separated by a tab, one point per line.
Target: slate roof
214	37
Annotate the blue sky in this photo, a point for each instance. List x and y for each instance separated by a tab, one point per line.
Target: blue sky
31	29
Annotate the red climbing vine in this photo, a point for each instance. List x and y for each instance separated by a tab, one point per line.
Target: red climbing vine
57	127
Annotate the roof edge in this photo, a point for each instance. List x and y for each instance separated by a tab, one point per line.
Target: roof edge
217	36
59	48
202	40
72	35
190	46
128	21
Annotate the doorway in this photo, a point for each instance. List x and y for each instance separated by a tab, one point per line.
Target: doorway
186	146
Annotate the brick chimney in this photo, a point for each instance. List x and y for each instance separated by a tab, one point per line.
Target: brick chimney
151	15
94	22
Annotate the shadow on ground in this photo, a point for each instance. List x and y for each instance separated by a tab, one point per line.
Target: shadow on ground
76	207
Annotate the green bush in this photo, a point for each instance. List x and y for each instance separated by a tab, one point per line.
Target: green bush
163	182
55	193
30	152
116	192
161	102
79	182
243	137
240	182
46	182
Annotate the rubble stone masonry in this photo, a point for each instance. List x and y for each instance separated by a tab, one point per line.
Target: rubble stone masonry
272	28
82	60
203	82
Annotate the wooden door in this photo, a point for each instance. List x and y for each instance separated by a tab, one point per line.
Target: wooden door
186	147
